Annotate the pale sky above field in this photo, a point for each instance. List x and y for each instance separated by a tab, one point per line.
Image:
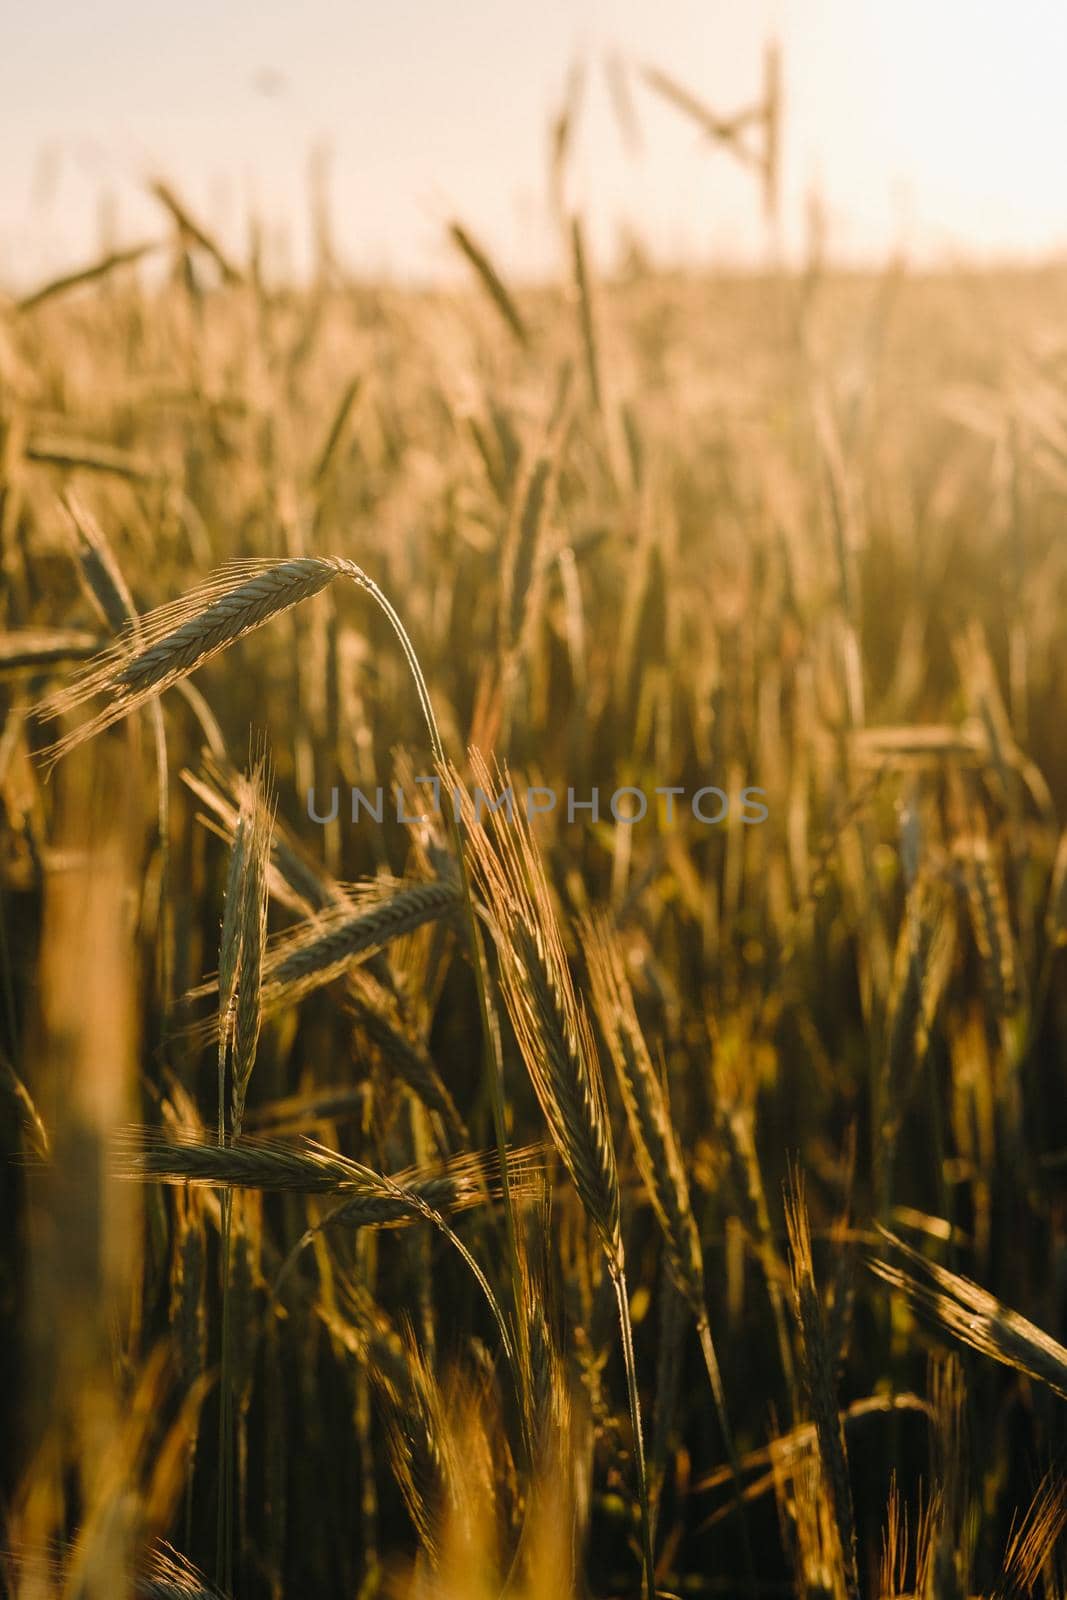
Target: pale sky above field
939	125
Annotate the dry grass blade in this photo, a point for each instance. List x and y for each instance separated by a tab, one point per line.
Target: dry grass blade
724	129
659	1160
974	1316
491	281
90	274
45	647
193	230
89	455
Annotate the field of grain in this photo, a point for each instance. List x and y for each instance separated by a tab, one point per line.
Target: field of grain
447	1207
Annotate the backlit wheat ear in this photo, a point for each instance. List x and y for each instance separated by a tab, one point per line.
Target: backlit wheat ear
974	1316
557	1046
321	949
659	1160
159	649
1033	1543
550	1023
168	644
365	1198
318	952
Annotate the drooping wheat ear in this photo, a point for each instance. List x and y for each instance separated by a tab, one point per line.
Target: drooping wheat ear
366	1198
557	1046
974	1316
174	641
322	948
659	1160
158	650
819	1376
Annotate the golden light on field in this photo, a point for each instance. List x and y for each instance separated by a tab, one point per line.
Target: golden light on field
629	1162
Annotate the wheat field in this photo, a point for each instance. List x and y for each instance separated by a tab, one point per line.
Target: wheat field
438	1204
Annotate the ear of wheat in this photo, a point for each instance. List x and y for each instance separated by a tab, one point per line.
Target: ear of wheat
818	1370
556	1042
973	1315
550	1023
305	1166
659	1160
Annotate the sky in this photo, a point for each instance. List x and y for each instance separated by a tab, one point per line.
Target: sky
934	126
